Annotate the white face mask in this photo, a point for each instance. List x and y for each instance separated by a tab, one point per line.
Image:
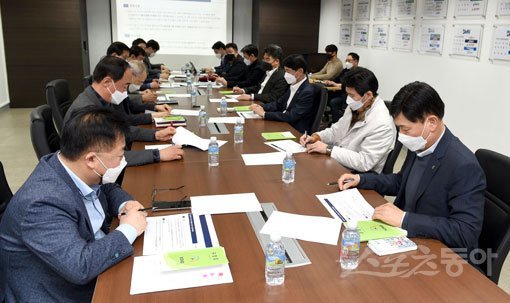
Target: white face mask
247	61
111	174
348	65
353	104
218	55
291	79
117	96
152	55
413	143
134	87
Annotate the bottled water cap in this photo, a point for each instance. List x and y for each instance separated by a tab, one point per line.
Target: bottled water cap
276	238
353	224
239	120
213	139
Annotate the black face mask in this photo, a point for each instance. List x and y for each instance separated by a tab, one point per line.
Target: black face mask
330	56
267	66
229	57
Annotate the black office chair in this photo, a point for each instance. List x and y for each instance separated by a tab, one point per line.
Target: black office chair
87	81
496	222
5	191
59	99
45	139
320	99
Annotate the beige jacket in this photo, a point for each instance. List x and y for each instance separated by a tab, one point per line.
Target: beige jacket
330	71
366	146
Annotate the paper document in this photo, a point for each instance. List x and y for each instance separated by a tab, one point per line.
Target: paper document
158	146
195	258
263	158
204	85
373	230
228	120
174	75
225	204
309	228
347	205
178	95
249	115
287	145
278	135
229	100
183	136
185	112
244	108
148	277
178	232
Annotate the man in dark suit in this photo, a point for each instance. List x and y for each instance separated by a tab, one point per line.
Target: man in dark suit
273	86
440	188
255	70
220	52
296	105
235	69
55	236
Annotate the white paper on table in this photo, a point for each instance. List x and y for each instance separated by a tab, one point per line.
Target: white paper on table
166	85
202	85
183	136
309	228
177	75
232	96
158	146
225	204
162	98
175	84
227	120
177	95
178	232
347	205
287	145
249	115
185	112
263	158
147	276
219	100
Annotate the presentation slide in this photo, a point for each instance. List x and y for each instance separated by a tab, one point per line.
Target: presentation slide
182	27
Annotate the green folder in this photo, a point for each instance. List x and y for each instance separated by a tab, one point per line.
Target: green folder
242	108
372	230
196	258
174	118
226	92
278	136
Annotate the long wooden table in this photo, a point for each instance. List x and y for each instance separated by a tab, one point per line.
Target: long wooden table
433	273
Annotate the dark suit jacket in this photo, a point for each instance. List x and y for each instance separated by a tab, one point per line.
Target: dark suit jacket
137	109
299	114
48	249
234	70
254	75
273	90
219	69
449	202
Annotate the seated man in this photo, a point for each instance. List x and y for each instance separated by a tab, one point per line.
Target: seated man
332	68
274	85
140	43
296	105
55	236
118	49
111	78
440	188
136	53
156	71
255	70
235	69
362	139
220	51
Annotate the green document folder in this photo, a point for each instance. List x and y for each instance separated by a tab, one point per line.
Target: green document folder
196	258
242	108
372	230
278	136
227	92
174	118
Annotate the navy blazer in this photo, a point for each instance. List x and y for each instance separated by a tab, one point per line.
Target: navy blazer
48	249
449	202
299	114
273	90
254	75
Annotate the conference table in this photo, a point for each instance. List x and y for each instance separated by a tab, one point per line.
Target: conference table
433	273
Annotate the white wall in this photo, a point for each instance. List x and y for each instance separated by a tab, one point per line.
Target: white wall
475	92
4	88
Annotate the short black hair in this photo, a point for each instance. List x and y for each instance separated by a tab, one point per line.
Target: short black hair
218	45
274	51
153	44
138	41
415	101
362	80
137	51
117	48
231	45
354	56
110	66
331	48
295	62
91	128
250	49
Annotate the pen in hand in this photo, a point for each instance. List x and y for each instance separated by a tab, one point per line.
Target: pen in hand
344	182
141	209
306	137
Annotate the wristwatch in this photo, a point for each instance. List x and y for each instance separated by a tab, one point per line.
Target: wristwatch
329	149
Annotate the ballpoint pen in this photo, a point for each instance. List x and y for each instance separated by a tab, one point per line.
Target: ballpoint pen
141	209
345	181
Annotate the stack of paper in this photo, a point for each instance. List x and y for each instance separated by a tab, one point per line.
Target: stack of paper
388	246
372	230
225	204
244	108
249	115
287	146
178	95
158	146
263	158
347	205
185	112
170	121
278	135
227	120
229	100
183	137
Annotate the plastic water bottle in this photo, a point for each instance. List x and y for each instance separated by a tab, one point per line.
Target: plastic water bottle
209	88
189	85
223	106
288	168
349	253
275	261
194	94
214	152
238	131
202	117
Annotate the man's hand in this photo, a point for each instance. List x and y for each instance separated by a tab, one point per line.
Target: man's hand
305	140
131	204
164	75
165	108
259	110
171	153
244	97
347	181
389	213
149	96
238	90
222	81
317	147
165	134
135	218
155	84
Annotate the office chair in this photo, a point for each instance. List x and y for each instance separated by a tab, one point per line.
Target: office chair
45	139
496	222
59	99
393	155
87	81
5	191
320	99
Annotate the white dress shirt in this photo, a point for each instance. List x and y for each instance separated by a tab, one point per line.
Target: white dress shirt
293	89
268	75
